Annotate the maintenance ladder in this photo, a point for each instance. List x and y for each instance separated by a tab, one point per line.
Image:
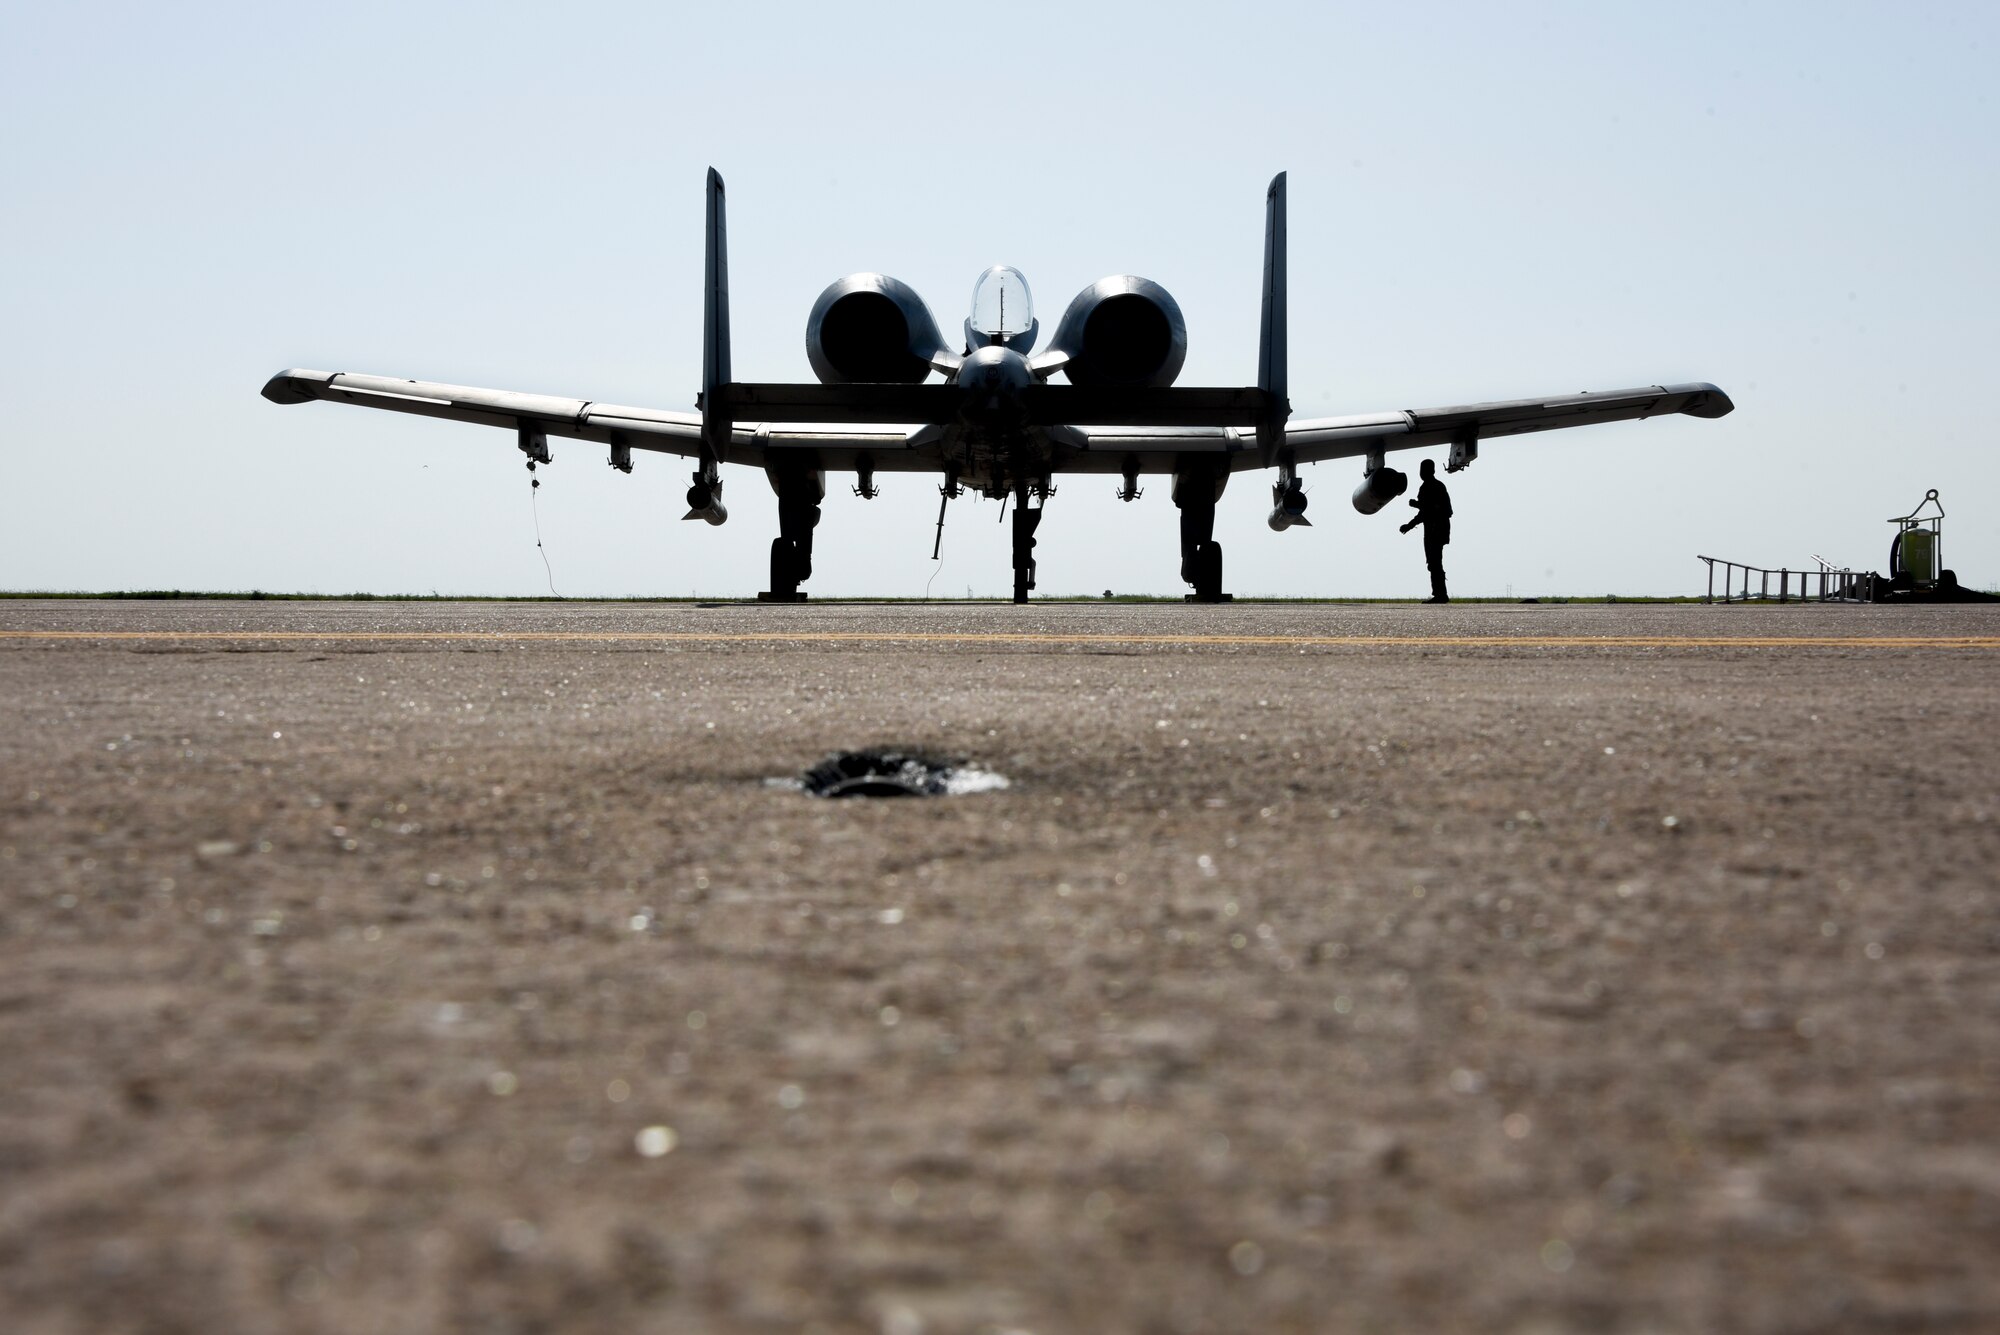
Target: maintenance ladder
1828	584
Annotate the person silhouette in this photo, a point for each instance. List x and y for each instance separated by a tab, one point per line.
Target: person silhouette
1433	507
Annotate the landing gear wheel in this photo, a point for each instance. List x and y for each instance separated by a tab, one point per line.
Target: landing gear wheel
1206	574
785	574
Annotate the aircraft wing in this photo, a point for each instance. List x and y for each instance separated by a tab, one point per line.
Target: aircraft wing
1103	449
1345	437
834	445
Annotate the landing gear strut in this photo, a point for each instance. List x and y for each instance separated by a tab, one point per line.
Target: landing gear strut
799	494
1201	555
1025	522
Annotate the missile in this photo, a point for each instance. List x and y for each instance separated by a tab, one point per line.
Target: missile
705	503
1288	507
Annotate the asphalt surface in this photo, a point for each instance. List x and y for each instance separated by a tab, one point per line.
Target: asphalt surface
1523	968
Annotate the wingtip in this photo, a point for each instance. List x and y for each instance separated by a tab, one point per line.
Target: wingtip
1277	184
290	386
714	179
1712	402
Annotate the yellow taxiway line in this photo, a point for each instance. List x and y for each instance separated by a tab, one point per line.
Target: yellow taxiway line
997	638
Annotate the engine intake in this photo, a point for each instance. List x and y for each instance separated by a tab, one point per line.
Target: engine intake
1123	331
869	328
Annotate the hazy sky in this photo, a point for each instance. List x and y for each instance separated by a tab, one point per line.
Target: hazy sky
1795	201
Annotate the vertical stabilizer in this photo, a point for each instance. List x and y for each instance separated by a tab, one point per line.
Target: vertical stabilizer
1271	353
715	415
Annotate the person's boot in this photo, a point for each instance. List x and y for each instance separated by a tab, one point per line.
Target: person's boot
1437	588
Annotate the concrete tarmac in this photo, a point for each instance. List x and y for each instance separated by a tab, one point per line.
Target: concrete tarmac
1515	968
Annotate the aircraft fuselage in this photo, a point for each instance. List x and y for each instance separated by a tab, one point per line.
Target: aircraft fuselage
994	447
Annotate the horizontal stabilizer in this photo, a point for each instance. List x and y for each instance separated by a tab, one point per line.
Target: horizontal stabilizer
1041	405
1068	405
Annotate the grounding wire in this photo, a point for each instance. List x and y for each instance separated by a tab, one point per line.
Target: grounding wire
534	505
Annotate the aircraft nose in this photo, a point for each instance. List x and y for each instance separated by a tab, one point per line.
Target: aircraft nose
995	376
996	368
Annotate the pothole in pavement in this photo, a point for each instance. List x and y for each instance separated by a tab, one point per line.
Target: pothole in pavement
889	772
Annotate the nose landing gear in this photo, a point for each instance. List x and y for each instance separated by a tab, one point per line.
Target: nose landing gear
1026	520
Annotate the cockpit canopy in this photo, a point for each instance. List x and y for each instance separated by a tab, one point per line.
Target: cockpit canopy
1003	313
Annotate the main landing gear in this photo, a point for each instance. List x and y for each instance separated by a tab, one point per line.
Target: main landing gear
1201	555
799	493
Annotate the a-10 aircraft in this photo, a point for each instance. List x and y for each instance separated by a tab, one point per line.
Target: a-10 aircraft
997	423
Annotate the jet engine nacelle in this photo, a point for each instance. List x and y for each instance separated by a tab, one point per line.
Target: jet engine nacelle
1122	331
869	328
1378	489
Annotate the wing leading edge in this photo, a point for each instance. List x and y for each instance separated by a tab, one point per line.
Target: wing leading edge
886	448
1105	449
